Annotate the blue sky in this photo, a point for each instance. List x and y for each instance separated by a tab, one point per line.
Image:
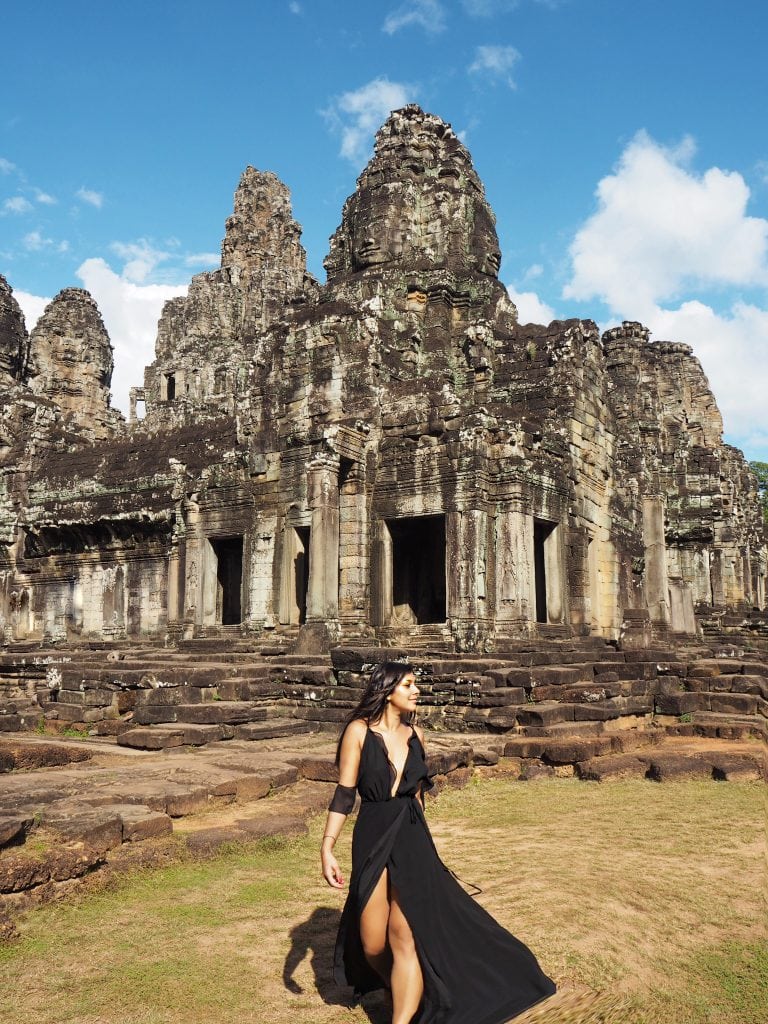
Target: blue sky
622	145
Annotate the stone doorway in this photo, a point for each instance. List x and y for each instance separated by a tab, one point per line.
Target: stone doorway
418	570
229	579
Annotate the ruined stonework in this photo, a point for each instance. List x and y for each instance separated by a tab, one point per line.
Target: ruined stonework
71	363
389	458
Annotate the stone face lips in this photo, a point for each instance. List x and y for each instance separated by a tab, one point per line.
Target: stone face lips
71	363
14	340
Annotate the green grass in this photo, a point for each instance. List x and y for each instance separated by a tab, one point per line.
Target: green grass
650	890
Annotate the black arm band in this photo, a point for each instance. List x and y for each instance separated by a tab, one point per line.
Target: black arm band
343	799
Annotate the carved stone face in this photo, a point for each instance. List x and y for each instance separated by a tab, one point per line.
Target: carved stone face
418	203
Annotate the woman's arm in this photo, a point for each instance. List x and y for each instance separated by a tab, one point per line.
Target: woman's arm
426	783
343	800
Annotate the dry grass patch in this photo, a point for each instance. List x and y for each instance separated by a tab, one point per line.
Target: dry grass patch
650	894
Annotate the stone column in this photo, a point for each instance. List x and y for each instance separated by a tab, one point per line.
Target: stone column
656	578
381	576
466	536
354	570
193	568
554	561
515	582
323	499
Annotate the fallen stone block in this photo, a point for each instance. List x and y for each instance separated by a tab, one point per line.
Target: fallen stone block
611	767
737	767
140	823
545	714
16	755
535	772
13	829
151	739
271	730
674	766
97	828
273	825
318	769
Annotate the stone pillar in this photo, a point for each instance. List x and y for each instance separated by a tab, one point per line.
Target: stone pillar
381	576
323	499
195	540
515	583
175	583
656	579
553	558
354	570
466	534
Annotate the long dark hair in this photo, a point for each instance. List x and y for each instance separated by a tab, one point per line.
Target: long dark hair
371	706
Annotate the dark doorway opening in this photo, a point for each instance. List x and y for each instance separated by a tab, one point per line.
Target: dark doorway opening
229	577
418	569
301	571
170	387
541	531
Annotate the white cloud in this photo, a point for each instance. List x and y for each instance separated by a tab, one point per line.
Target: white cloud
660	227
356	115
34	241
130	311
294	8
660	231
17	204
535	270
487	8
530	308
202	259
6	167
426	14
141	259
32	306
45	198
495	63
88	195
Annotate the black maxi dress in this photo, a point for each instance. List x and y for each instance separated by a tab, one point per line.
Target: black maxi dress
475	972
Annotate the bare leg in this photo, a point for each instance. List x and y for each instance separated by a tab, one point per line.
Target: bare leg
373	929
407	980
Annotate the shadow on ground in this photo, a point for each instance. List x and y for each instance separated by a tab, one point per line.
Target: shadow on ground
315	938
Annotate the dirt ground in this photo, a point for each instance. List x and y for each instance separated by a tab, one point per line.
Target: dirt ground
649	894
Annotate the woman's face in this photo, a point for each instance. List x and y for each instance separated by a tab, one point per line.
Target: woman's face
405	695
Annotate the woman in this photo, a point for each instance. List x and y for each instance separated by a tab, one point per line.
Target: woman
407	924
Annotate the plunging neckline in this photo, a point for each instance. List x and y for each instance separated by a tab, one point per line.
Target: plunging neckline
397	780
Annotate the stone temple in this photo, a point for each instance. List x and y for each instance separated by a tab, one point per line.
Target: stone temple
545	521
385	458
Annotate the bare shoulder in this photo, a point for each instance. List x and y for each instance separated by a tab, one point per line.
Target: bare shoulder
420	733
355	731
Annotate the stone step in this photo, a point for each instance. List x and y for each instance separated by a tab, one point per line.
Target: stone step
274	729
723	726
223	712
705	700
160	737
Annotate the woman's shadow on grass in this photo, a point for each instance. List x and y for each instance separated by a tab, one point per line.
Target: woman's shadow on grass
316	938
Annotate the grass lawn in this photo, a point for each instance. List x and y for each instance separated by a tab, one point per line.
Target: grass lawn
654	891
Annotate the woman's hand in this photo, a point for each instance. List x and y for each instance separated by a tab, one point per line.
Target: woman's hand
331	870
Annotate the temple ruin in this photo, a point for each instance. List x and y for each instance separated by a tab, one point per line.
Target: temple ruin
382	458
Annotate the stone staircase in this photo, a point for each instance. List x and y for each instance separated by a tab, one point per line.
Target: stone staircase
568	692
